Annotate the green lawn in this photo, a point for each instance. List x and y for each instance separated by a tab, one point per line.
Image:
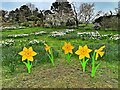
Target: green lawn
62	75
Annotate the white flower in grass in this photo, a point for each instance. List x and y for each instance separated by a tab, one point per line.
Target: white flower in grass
57	34
80	33
115	37
69	30
91	35
7	42
43	32
38	33
35	42
17	35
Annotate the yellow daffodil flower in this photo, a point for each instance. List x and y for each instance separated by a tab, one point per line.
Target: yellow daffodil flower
83	52
47	48
99	52
67	48
27	54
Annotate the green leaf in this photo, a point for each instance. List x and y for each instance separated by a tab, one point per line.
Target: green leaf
86	61
25	63
49	56
30	65
81	63
97	66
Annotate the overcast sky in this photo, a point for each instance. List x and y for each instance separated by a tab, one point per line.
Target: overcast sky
104	5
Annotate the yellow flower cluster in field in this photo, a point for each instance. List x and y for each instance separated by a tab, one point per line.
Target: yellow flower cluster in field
83	52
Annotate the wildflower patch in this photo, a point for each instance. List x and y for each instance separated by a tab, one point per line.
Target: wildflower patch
82	52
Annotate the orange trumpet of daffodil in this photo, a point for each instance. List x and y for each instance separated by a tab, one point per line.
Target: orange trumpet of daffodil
99	52
47	48
67	48
27	54
83	52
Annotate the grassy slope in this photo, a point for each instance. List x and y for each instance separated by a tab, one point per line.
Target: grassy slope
62	75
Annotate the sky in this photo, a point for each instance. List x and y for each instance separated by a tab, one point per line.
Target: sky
104	5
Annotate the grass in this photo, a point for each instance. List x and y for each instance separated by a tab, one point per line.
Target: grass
12	60
27	30
62	75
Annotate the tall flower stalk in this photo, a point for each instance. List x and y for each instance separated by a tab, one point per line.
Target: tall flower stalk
68	51
27	54
84	63
95	57
83	52
50	53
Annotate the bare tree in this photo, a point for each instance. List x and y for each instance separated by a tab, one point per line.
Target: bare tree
86	12
75	15
31	7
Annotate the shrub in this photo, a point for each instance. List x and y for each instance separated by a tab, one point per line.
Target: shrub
28	24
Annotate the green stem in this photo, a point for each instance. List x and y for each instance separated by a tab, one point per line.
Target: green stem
83	64
68	57
29	69
28	65
93	65
51	57
93	73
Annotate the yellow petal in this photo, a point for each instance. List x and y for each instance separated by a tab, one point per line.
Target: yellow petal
89	50
66	52
96	57
72	47
77	52
81	56
96	50
25	49
87	55
63	47
45	44
85	47
65	43
49	51
34	53
102	48
80	47
71	51
30	58
101	53
69	43
24	58
30	49
46	47
21	53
